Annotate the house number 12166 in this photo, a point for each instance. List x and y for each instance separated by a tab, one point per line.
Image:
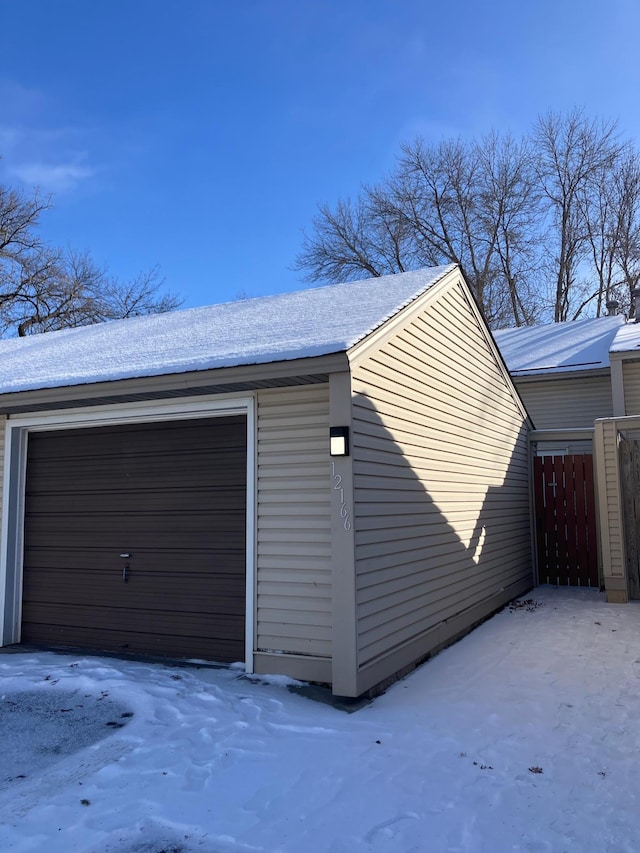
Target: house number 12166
337	485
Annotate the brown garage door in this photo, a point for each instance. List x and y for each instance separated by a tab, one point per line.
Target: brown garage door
171	495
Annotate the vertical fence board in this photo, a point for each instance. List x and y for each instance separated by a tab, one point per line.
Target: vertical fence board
572	470
592	530
550	518
629	461
580	497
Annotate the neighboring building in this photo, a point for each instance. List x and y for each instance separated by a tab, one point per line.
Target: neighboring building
169	488
572	376
569	374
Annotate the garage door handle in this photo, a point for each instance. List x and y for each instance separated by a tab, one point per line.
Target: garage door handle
125	568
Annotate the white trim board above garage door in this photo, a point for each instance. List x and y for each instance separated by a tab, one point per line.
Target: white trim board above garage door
17	432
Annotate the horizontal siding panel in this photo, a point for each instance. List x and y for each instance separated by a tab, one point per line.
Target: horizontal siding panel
400	489
442	386
282	497
441	395
567	403
305	646
393	634
441	576
405	520
427	441
376	371
450	596
396	464
411	358
276	477
631	376
441	472
426	426
300	603
315	531
403	467
453	514
391	403
375	543
294	522
291	550
289	629
441	555
394	589
293	562
307	397
274	507
318	580
406	491
445	566
412	342
283	455
400	397
275	620
425	598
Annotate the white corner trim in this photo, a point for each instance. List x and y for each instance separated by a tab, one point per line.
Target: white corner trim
617	388
251	543
4	527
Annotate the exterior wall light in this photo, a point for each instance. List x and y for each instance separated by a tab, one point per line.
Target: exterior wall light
339	441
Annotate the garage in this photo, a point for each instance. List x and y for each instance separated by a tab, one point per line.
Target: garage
328	485
134	538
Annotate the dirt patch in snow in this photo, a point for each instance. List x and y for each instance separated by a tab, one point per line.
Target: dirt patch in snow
39	727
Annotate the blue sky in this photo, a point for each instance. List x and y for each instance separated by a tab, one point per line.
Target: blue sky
200	135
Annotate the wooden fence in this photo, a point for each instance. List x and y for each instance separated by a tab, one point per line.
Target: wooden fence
565	515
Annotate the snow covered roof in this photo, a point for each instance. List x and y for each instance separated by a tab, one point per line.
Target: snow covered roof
563	347
627	338
312	322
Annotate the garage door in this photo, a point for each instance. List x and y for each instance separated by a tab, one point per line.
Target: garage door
134	538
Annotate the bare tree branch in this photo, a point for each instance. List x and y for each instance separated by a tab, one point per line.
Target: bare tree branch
42	288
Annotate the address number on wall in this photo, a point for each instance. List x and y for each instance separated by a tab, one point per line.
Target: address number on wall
345	515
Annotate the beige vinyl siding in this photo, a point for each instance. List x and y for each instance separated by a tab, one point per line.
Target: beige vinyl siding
294	521
441	479
569	403
610	508
631	374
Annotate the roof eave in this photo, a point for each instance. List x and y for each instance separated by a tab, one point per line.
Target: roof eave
625	354
563	373
170	383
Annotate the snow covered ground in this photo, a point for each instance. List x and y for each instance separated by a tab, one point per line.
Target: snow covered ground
524	736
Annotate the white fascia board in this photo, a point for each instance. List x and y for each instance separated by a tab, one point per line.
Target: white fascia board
566	373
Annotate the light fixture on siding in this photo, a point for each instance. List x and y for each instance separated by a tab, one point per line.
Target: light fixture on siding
339	441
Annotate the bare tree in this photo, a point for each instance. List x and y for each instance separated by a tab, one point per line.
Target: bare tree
43	288
341	248
512	200
573	152
449	203
544	226
626	195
